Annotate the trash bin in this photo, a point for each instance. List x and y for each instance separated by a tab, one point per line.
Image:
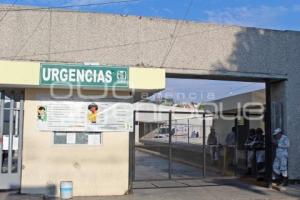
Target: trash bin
66	189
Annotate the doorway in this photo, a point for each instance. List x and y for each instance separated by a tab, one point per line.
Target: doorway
11	130
166	148
172	147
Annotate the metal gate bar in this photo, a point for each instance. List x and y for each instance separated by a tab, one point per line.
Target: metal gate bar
1	125
133	147
10	146
170	159
204	144
170	145
204	114
268	133
236	145
20	132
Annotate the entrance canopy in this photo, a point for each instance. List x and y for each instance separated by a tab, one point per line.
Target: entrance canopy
79	75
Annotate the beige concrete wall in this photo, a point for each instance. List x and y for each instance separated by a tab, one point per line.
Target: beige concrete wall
199	48
94	170
231	103
19	73
147	78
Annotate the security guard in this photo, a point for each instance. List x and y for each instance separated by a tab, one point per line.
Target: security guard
282	144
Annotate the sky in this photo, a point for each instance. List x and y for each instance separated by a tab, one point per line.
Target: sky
272	14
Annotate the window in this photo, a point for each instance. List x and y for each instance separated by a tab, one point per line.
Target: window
89	138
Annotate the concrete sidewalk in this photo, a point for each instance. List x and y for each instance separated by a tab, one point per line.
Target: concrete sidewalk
211	189
293	190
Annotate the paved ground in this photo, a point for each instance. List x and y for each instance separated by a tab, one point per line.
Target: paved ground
219	189
151	166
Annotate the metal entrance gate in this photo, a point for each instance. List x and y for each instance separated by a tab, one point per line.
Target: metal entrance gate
11	129
176	146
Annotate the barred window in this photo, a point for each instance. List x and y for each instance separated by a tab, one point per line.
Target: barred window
89	138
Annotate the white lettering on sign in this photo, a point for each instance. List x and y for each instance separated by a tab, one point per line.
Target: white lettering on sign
64	75
100	77
76	75
72	75
108	76
80	76
46	76
54	74
88	76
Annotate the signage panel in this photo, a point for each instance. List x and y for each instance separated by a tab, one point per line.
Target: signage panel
84	75
84	116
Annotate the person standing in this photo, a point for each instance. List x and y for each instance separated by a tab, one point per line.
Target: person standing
280	164
230	138
230	147
212	141
250	151
259	147
193	134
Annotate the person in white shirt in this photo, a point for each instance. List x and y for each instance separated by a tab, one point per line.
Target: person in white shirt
280	164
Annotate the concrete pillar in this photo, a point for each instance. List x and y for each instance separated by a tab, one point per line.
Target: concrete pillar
287	93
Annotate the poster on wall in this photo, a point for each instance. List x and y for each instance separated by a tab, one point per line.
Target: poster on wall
84	116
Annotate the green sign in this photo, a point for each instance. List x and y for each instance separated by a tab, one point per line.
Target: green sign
84	75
